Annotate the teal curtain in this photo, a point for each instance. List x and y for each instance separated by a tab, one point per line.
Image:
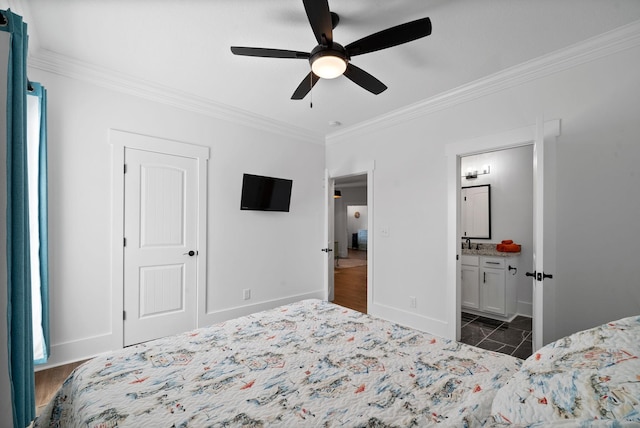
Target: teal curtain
19	315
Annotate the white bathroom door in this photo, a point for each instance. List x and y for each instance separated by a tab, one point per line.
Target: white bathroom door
160	253
544	255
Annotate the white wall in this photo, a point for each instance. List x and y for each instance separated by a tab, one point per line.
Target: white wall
511	180
5	385
598	153
274	254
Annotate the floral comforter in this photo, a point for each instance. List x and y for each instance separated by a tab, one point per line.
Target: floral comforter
590	378
310	363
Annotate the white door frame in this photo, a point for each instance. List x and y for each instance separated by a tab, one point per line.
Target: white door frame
537	135
367	168
119	141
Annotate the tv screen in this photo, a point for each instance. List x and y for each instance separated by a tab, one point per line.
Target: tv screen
265	193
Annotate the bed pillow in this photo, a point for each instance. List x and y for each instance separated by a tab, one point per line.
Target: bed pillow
591	376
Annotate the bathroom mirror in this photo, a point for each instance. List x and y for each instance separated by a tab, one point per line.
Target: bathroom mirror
475	203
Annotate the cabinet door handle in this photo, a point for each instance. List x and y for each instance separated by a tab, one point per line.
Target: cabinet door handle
484	277
492	263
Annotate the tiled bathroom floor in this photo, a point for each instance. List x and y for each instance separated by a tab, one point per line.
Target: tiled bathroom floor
512	338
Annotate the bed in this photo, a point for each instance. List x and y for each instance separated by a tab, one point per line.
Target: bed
312	363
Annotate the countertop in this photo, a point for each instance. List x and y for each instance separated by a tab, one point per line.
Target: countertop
485	250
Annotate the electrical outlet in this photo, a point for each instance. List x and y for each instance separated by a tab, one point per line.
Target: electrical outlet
413	303
246	294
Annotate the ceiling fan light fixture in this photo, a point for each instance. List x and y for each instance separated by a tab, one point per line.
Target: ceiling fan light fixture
329	62
329	66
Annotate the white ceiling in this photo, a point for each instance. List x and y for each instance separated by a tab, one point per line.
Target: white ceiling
183	47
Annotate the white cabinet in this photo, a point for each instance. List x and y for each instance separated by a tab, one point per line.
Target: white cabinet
493	288
469	284
488	287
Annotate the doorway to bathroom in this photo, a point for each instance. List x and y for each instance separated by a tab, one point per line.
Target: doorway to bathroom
539	270
496	300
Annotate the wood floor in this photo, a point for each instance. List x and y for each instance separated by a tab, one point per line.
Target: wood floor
350	284
49	380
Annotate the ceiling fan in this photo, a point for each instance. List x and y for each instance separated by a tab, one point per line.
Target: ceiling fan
330	59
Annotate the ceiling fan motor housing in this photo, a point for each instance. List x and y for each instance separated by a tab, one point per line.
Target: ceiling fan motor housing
323	57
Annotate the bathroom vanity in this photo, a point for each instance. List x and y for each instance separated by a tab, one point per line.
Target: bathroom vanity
488	285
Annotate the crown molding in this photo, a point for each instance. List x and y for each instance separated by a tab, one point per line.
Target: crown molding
64	66
611	42
622	38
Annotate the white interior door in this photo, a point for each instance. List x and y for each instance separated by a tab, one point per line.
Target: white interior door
329	236
160	253
544	255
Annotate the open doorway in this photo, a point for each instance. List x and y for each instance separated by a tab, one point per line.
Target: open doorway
542	136
351	219
496	295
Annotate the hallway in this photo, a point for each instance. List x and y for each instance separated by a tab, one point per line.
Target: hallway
350	281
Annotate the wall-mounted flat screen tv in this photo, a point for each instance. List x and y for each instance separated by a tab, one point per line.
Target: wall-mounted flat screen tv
265	193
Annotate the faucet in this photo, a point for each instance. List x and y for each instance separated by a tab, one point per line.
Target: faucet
468	241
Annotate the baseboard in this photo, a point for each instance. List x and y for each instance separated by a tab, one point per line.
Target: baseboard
410	319
525	308
77	350
239	311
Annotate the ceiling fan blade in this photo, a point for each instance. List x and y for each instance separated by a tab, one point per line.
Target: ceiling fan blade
320	20
393	36
268	53
305	86
364	79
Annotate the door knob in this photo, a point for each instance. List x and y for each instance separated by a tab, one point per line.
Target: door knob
191	253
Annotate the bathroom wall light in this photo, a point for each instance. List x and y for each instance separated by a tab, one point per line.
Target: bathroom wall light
474	173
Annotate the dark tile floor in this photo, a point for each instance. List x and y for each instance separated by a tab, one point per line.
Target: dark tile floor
512	338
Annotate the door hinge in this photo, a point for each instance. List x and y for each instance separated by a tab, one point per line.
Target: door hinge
124	315
125	168
124	242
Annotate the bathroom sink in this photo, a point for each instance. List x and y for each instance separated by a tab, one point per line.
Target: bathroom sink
473	252
485	250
